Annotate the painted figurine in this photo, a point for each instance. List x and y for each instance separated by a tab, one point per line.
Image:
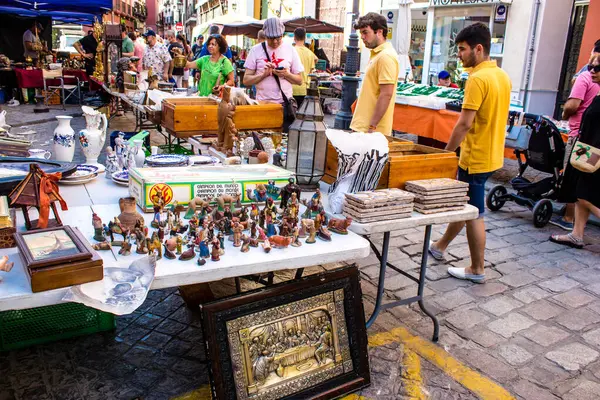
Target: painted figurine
320	220
237	234
295	241
98	231
179	244
215	253
314	206
339	226
280	242
309	227
254	212
270	224
259	194
125	249
253	229
221	238
188	254
120	149
158	201
204	250
261	234
170	246
111	163
140	242
154	245
286	192
245	244
324	234
273	191
266	246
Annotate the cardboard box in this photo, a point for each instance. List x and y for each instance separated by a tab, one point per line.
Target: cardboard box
182	184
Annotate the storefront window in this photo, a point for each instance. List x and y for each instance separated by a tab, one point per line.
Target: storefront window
448	22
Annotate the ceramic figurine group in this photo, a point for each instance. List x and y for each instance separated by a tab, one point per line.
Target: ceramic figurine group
208	227
123	156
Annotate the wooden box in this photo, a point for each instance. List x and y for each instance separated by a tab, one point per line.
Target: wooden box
59	276
331	165
186	117
408	161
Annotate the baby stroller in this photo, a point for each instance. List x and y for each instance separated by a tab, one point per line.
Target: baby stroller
544	151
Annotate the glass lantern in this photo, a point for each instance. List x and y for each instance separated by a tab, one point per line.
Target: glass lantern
307	142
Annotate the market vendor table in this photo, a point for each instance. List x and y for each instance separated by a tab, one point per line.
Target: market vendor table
102	195
34	78
386	227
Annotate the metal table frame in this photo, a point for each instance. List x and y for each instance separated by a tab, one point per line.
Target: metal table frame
383	264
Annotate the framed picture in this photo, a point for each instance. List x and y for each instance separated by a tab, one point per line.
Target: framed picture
52	246
304	339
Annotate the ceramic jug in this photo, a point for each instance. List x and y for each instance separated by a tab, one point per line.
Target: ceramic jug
138	151
64	139
92	138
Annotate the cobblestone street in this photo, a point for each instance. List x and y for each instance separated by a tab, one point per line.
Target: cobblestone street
533	328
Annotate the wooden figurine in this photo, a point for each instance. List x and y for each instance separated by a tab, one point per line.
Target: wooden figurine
40	190
98	231
227	133
339	226
125	249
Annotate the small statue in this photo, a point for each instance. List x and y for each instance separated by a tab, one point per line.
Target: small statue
294	207
286	192
309	226
188	254
253	242
125	247
244	218
101	246
227	132
210	231
170	246
201	261
161	230
130	157
154	245
314	206
320	220
266	246
339	226
221	238
272	190
253	229
259	194
245	244
270	224
237	234
158	201
198	204
280	242
227	213
261	234
204	250
120	149
179	243
140	242
112	163
98	230
227	227
254	212
295	241
215	253
324	234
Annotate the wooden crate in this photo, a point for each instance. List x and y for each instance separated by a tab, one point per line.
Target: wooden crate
408	161
53	100
185	117
331	166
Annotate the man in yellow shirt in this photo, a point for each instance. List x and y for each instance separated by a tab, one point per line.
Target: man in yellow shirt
375	107
480	133
308	60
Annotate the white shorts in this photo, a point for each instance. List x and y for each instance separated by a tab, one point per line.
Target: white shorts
178	80
186	74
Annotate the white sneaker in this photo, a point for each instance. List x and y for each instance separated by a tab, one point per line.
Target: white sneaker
459	273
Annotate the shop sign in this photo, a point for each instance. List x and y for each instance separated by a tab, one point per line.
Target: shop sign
501	10
449	3
390	17
179	27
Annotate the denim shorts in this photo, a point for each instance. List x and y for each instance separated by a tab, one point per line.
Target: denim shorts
476	187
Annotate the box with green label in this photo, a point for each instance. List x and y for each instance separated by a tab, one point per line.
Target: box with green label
182	184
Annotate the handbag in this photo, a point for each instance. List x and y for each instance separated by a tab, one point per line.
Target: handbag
290	105
585	158
517	137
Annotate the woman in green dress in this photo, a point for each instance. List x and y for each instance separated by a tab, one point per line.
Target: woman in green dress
215	69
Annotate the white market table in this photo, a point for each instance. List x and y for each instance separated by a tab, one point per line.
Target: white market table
386	227
102	195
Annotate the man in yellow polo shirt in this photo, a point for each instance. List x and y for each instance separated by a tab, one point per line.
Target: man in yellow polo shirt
480	133
375	107
308	60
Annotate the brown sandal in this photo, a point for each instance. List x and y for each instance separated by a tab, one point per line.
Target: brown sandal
568	240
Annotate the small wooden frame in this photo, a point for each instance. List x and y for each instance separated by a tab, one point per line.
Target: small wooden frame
68	247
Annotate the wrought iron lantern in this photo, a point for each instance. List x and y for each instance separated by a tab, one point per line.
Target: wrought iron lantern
307	142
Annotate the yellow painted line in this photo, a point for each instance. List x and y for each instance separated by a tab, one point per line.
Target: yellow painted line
478	384
354	397
411	375
203	393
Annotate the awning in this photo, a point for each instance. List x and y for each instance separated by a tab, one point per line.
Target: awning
310	24
68	11
62	16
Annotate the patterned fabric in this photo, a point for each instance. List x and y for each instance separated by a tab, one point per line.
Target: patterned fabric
156	57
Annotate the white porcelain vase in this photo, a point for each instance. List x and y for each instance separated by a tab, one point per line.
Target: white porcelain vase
64	139
140	156
92	138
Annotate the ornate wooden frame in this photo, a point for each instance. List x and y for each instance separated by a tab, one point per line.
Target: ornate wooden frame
336	293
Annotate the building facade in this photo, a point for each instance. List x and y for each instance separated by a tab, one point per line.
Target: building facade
130	13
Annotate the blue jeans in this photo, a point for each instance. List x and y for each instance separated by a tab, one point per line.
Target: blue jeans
476	187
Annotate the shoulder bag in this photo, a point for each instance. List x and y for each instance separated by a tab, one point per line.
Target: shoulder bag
290	106
585	158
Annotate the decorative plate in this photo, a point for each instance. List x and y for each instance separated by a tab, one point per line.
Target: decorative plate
165	160
122	183
80	181
83	171
203	160
122	176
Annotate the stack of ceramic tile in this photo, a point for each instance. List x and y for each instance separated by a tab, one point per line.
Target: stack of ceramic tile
380	205
438	195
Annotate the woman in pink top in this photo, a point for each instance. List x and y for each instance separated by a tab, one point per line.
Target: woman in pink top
138	51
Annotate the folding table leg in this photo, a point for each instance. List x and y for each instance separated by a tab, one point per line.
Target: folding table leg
380	285
436	324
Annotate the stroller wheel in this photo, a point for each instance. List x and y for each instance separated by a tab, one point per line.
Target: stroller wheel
542	212
493	200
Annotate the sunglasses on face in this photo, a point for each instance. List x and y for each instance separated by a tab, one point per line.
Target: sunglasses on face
594	68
